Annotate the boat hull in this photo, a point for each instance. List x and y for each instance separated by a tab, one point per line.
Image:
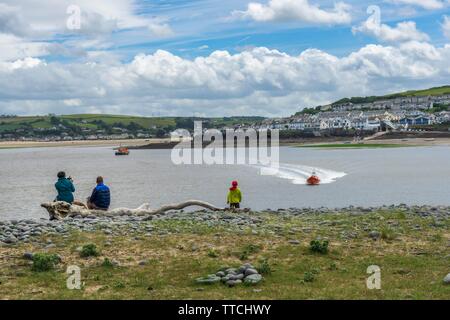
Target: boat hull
313	181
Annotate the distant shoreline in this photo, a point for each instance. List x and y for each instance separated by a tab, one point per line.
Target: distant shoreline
167	144
80	143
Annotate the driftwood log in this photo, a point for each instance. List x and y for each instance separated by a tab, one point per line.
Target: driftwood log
60	210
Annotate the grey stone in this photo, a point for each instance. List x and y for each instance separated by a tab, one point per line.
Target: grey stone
28	256
375	235
232	283
231	271
250	271
211	279
447	279
220	274
294	242
253	279
239	276
11	239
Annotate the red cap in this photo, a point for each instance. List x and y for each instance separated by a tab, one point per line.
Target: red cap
234	185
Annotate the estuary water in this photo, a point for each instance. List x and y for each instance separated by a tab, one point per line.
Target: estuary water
360	177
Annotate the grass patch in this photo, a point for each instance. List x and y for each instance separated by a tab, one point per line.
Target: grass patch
412	266
353	146
249	250
89	250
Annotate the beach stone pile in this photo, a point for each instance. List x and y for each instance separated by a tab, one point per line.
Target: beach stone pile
33	230
245	274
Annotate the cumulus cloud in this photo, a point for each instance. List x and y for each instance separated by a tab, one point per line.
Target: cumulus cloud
404	31
12	21
26	24
296	10
426	4
259	81
446	26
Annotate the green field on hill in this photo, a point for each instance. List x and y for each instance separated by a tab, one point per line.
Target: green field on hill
97	121
436	91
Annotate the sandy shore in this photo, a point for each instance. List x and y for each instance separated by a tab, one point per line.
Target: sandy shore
83	143
144	142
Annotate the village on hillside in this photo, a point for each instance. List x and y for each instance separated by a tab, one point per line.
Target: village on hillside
343	118
403	113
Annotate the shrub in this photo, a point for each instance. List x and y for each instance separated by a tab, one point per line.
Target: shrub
119	285
309	277
264	267
44	262
107	263
89	250
318	246
212	253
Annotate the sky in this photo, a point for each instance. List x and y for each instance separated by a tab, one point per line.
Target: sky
214	57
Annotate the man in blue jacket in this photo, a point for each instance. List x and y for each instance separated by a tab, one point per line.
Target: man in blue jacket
100	198
65	188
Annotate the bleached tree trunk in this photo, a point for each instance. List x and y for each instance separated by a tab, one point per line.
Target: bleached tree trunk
60	210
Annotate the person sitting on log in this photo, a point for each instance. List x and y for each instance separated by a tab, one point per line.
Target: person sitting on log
100	198
65	188
234	196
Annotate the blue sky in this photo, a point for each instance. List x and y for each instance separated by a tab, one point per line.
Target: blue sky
215	57
203	26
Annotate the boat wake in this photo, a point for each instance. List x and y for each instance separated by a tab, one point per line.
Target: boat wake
298	174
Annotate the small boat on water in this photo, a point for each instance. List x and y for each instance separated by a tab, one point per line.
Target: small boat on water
314	180
122	151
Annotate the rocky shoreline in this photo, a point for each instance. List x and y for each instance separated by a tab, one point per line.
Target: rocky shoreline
32	231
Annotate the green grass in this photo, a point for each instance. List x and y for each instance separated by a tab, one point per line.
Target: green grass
427	92
413	261
436	91
353	146
88	121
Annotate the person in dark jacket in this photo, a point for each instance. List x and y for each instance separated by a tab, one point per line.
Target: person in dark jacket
100	198
65	188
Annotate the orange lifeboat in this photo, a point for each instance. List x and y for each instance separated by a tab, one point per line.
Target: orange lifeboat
314	180
122	151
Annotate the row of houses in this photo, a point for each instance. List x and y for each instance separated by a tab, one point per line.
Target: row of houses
403	103
358	120
65	137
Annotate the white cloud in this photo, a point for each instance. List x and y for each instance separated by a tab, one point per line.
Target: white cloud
403	31
160	28
297	10
446	26
12	21
259	81
426	4
27	27
13	48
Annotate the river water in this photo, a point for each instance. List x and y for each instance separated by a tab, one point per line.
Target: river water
360	177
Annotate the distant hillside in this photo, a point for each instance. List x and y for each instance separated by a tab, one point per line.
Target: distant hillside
89	124
413	93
